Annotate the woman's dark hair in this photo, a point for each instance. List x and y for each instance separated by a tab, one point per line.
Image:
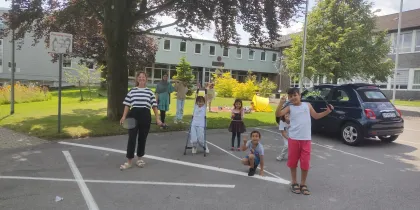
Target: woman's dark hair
237	100
200	99
259	134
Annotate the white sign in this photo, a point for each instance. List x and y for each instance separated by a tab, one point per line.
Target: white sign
61	43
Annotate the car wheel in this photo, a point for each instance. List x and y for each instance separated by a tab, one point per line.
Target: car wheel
351	134
388	138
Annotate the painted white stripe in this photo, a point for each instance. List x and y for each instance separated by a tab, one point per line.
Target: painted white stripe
82	185
240	158
347	153
271	179
120	182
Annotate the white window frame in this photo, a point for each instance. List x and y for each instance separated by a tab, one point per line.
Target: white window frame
253	55
170	44
402	37
415	84
416	34
186	47
223	52
215	50
236	53
265	56
274	53
201	48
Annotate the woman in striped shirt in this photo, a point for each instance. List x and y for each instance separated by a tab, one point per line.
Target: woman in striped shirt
140	99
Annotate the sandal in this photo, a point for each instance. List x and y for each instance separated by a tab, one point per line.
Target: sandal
304	190
295	188
125	166
140	163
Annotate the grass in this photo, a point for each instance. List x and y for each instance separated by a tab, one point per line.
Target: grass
407	103
88	118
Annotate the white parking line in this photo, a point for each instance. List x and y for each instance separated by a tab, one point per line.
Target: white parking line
347	153
239	158
82	185
240	173
121	182
229	153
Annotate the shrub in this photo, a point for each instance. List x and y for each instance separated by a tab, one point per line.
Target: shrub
24	94
246	91
266	87
225	84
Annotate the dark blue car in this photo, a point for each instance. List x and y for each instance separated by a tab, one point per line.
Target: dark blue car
361	111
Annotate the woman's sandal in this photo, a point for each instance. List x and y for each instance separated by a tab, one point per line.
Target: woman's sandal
140	163
304	190
295	188
125	166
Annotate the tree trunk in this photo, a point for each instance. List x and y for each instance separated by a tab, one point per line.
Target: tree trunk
116	30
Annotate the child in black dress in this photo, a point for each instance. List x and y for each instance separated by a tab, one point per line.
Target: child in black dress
237	126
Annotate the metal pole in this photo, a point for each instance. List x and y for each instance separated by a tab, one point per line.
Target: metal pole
397	52
13	68
302	67
60	69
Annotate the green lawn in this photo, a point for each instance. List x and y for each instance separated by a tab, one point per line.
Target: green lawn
88	118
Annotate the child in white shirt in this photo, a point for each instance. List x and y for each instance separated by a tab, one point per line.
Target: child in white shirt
284	127
198	125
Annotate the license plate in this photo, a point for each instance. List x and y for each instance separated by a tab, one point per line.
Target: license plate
389	115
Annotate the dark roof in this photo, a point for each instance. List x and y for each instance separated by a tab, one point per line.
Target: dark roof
409	20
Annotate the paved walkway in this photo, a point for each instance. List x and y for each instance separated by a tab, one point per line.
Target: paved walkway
10	139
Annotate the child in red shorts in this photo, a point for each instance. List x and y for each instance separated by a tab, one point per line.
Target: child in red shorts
300	114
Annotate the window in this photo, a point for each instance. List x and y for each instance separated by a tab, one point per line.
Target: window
183	46
340	95
226	52
197	49
274	57
212	50
405	42
263	56
416	80
239	53
317	94
66	61
1	55
167	44
251	54
417	47
372	95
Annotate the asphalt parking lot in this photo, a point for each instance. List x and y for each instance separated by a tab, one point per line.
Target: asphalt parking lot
85	173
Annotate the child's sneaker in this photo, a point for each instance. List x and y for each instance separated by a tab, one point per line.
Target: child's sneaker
232	149
207	150
279	158
239	149
251	172
194	150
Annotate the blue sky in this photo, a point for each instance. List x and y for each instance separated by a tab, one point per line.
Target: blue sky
386	7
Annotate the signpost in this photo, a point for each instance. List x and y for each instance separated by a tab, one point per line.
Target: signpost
60	43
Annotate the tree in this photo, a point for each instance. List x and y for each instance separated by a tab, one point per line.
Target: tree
266	87
184	74
123	19
84	77
342	43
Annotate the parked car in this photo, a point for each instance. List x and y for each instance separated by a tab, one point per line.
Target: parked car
360	111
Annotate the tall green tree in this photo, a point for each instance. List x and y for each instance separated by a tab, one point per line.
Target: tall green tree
123	19
342	43
184	73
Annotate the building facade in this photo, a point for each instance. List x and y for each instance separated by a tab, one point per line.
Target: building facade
206	56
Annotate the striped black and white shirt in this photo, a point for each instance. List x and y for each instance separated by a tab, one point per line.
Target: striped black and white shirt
140	98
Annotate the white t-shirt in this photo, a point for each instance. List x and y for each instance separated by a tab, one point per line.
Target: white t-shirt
283	126
300	122
199	116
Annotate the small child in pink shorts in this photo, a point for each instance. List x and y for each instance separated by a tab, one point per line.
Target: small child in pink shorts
300	136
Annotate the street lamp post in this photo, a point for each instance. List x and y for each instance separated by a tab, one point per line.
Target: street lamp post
397	52
13	67
302	67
